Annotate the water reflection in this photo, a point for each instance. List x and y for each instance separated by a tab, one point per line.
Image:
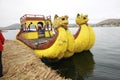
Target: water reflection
77	67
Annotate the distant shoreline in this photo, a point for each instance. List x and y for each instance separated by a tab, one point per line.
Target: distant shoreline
104	23
5	30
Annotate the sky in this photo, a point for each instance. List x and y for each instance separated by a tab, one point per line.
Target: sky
97	10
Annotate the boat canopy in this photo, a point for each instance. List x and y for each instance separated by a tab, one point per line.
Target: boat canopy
36	20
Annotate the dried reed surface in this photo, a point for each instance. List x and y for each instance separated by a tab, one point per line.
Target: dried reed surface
20	63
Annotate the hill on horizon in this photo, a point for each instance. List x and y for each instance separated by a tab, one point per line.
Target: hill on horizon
109	22
11	27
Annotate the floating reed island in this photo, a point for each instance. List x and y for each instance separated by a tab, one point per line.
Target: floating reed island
20	63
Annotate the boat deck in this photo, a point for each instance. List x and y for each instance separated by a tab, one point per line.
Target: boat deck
40	40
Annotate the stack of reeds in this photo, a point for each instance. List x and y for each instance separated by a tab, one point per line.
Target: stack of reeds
20	63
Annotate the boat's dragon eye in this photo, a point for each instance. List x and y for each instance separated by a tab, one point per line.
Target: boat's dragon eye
63	18
84	18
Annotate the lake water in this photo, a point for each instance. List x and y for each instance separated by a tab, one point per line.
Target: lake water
102	62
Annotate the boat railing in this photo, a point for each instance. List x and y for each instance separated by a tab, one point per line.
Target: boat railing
32	17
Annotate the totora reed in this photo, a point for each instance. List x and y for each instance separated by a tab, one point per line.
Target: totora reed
20	63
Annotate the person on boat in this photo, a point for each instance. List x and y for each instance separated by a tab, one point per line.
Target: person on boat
25	28
31	25
2	39
48	26
41	29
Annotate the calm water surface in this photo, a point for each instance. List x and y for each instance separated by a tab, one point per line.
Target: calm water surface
102	62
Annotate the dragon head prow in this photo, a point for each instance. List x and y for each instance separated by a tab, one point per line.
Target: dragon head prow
60	21
81	19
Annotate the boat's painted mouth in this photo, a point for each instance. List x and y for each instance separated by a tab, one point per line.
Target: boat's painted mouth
65	24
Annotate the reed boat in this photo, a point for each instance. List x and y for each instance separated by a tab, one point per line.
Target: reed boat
63	22
37	33
85	36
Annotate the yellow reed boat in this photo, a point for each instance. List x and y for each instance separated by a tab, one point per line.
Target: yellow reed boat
63	22
54	41
85	36
37	33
